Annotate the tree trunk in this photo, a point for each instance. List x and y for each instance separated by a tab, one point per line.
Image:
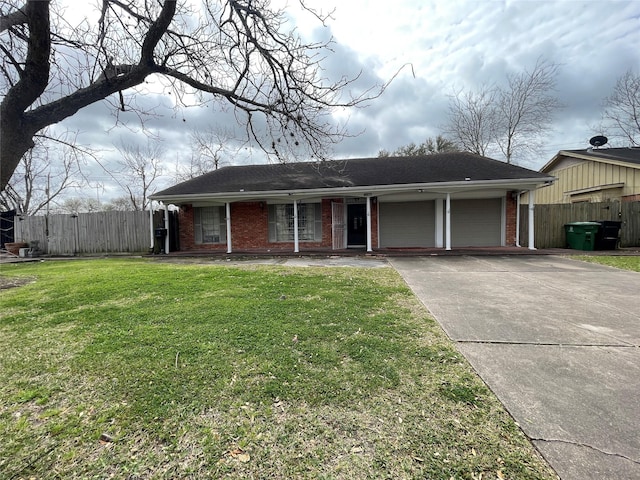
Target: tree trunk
17	132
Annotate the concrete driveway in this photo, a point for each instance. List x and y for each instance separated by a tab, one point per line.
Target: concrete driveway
558	342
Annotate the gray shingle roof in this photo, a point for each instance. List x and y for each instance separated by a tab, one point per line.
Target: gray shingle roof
445	167
627	155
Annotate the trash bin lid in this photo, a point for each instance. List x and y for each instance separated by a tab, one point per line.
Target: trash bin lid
583	223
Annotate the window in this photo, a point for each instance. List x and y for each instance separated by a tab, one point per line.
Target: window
209	225
309	223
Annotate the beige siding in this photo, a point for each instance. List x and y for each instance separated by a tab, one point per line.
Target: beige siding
587	175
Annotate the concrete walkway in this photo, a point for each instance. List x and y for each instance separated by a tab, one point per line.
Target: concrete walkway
557	340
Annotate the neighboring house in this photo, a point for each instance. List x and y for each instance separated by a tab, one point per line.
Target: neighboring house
437	201
592	175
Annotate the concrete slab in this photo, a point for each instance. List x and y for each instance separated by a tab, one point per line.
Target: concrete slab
336	261
568	398
557	341
504	299
292	261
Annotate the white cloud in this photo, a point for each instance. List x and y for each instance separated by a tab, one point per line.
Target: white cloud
453	44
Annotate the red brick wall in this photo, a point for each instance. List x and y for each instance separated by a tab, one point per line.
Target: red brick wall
374	223
249	225
185	219
512	211
327	219
250	230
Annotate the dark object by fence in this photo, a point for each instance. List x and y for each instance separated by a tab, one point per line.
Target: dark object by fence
608	235
6	227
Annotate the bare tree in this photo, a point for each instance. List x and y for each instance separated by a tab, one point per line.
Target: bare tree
473	119
75	205
121	204
210	148
140	167
39	180
525	108
509	119
622	108
233	51
430	146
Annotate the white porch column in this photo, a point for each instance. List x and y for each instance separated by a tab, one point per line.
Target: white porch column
532	195
439	223
296	241
448	223
151	229
166	226
228	220
369	249
517	219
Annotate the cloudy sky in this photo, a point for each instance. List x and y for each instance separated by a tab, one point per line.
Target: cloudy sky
437	47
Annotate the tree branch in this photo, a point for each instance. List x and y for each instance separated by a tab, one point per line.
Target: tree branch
231	50
19	17
157	29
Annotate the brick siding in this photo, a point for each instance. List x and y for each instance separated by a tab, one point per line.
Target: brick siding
250	228
511	212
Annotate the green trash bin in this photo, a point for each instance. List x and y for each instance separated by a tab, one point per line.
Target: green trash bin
581	235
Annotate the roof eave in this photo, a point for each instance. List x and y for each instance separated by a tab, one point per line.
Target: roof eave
547	166
585	156
357	191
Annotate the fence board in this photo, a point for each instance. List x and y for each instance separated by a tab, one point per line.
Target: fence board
87	233
630	235
31	229
549	221
64	238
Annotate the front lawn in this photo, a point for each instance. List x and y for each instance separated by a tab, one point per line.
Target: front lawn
622	262
133	369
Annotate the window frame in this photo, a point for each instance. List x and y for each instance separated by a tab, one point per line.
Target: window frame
281	222
215	222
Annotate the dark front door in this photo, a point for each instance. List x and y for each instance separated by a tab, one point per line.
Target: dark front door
357	225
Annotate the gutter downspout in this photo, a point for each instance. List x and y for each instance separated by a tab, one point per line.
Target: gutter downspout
228	221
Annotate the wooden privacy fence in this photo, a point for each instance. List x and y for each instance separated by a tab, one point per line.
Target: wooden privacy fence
549	221
87	233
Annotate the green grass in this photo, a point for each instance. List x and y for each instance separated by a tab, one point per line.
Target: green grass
622	262
133	369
